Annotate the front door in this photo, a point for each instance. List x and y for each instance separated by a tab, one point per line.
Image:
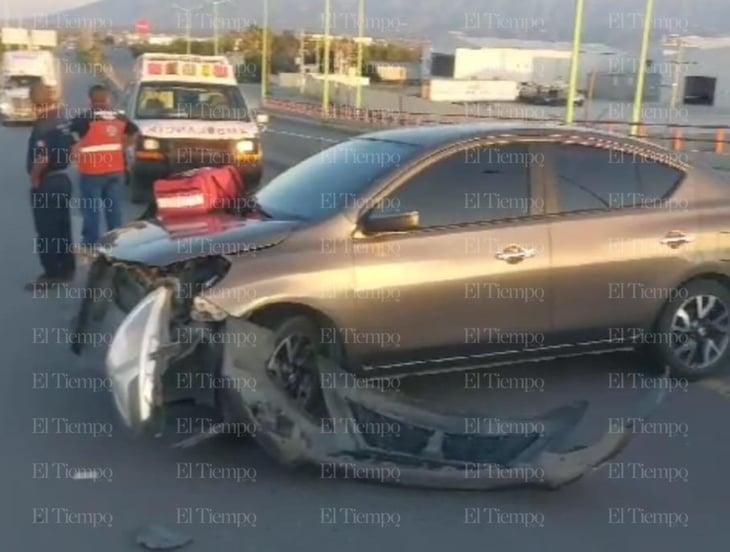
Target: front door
471	285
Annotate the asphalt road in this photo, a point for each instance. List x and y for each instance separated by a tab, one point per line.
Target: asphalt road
142	481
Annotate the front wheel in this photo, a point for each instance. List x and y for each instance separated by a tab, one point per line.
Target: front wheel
252	180
294	361
694	331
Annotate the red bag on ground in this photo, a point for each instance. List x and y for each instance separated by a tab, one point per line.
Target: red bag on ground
199	191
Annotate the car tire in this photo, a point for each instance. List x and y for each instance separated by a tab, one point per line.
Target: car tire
685	309
309	394
139	190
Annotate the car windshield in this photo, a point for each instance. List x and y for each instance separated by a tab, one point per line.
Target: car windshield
21	82
332	180
209	102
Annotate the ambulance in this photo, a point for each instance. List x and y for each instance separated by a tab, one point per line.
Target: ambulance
190	113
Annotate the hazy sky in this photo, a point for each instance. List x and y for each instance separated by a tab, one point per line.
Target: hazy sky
27	8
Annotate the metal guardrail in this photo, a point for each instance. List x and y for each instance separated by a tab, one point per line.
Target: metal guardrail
676	135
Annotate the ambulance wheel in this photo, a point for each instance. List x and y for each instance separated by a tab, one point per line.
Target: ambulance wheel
253	180
139	190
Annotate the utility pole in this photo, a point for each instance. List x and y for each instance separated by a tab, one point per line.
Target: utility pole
577	32
265	51
326	83
639	97
678	60
215	22
188	22
301	62
318	56
361	36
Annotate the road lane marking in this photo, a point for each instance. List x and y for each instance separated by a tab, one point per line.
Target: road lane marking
302	136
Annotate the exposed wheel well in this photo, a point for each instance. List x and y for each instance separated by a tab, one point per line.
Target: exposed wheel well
269	315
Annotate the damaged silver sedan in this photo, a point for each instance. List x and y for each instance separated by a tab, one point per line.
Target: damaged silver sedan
289	323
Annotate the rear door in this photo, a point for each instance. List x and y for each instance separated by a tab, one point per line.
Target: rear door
621	237
471	284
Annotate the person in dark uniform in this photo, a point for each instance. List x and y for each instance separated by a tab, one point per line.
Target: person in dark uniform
49	153
103	138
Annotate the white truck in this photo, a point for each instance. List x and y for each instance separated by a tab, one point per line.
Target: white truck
20	70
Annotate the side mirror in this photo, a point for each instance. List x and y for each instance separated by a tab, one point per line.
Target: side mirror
262	119
399	222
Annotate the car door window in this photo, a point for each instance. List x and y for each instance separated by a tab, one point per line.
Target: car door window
473	185
657	181
590	178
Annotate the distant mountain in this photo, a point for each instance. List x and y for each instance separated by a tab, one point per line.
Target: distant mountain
616	22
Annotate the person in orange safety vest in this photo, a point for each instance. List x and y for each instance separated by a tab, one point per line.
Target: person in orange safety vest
103	137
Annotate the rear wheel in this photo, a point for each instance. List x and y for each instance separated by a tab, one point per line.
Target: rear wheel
694	328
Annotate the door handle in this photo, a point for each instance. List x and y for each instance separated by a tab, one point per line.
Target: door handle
515	254
675	239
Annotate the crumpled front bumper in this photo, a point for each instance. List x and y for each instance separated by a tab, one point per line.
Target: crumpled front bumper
391	438
379	435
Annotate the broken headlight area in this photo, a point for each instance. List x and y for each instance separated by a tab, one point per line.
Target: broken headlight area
125	285
373	433
378	435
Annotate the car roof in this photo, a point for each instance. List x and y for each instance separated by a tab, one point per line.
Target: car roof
433	136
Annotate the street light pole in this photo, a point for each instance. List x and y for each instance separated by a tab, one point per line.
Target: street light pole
188	23
639	97
578	30
215	22
326	83
215	28
361	36
679	59
301	62
265	51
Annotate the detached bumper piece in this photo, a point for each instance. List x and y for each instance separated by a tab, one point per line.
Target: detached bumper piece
391	438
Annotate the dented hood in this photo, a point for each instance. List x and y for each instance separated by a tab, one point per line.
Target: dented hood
161	242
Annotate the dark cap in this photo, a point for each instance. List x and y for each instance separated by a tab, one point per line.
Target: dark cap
42	95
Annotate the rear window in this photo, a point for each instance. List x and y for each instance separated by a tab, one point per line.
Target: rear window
591	178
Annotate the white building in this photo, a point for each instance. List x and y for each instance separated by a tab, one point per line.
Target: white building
525	60
700	71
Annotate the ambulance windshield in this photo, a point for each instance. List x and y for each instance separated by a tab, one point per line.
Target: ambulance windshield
207	102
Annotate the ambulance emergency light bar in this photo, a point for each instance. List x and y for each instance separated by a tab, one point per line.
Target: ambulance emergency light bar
172	66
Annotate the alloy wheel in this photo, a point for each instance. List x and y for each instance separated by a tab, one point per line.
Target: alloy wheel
700	331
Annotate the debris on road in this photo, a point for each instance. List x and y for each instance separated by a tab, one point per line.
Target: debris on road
83	475
156	537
